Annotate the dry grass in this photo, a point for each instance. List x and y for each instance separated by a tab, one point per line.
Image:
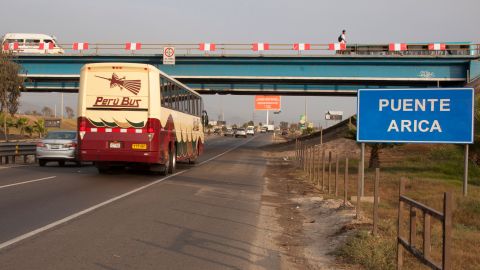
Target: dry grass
431	170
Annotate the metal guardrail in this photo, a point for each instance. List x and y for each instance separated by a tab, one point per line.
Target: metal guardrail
416	49
10	150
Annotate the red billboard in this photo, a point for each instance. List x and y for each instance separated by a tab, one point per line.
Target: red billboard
267	103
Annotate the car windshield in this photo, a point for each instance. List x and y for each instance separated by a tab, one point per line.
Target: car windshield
61	135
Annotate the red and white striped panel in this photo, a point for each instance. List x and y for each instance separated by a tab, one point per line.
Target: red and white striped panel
437	47
260	47
337	46
207	47
133	46
45	46
10	46
80	46
116	130
301	46
397	47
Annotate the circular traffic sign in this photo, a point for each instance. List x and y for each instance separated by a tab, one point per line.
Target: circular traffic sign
169	52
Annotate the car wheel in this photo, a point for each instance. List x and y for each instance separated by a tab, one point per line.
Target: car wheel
172	160
61	163
42	162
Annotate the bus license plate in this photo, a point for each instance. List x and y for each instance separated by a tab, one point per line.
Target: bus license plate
139	146
115	145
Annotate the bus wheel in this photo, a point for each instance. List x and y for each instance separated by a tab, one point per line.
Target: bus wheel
172	160
102	169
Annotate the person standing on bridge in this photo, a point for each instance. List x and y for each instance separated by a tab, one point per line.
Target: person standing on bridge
342	39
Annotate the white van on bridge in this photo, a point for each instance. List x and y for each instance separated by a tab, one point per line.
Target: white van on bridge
31	43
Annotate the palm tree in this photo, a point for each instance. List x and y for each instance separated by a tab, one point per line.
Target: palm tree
21	124
29	130
39	127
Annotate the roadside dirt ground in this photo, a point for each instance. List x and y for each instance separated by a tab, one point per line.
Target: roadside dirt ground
309	226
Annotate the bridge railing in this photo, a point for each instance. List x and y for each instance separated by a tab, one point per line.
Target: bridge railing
395	49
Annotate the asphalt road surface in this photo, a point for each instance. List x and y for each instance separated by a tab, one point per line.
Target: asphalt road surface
203	217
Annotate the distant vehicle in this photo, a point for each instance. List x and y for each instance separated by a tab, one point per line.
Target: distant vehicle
270	128
59	146
217	131
263	129
251	130
229	132
30	43
284	132
134	114
240	132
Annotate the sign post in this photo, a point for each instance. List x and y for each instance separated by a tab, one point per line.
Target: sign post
169	56
437	115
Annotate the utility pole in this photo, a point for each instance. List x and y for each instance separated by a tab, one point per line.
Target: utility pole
306	109
61	117
221	108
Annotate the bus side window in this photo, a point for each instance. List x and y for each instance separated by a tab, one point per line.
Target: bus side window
176	94
162	92
32	42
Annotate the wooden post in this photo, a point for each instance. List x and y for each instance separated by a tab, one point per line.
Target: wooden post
296	151
336	177
305	158
413	226
318	167
323	169
376	191
329	171
314	164
399	226
447	230
427	246
345	183
312	156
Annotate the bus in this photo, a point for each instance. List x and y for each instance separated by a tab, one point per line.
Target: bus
30	43
136	115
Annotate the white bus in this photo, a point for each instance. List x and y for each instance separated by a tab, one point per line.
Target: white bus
134	114
30	43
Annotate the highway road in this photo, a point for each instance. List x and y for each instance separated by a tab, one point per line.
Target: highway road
203	217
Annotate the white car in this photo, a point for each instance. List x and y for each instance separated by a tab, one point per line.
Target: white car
59	146
240	133
250	131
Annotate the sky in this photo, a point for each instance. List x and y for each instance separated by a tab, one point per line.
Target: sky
245	21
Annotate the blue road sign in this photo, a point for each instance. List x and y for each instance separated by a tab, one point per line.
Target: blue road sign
439	115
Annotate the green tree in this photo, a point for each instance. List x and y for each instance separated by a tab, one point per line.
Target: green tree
375	148
39	127
47	111
69	111
29	130
22	122
475	148
10	87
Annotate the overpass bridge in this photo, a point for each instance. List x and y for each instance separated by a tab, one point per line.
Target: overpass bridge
334	74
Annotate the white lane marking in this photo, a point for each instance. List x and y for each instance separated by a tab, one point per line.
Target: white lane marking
95	207
27	182
13	166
